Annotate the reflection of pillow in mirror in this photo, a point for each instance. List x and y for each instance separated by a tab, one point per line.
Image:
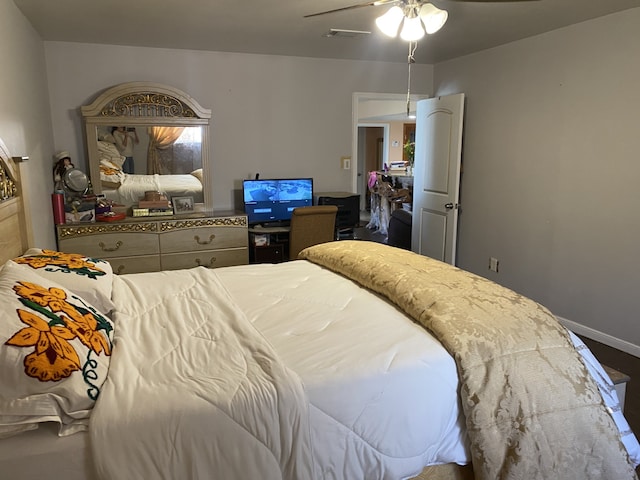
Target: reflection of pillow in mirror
198	174
106	166
107	185
106	137
107	152
110	177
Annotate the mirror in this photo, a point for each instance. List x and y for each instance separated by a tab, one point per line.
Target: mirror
145	136
75	182
165	150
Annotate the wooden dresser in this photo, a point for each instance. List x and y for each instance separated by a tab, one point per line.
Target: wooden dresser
150	244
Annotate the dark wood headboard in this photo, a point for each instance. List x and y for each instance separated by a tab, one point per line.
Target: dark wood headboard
14	234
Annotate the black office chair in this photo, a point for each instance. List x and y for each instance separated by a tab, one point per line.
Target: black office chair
348	216
399	233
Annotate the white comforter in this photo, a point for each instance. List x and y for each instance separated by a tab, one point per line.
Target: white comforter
194	391
380	394
383	393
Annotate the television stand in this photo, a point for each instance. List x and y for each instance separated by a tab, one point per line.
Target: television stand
268	244
276	224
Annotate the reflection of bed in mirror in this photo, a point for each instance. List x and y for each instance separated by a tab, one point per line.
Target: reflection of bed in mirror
170	152
133	187
126	189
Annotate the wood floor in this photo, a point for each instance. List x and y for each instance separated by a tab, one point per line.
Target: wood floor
630	365
625	363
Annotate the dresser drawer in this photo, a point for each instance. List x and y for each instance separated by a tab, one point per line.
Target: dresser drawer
109	245
205	238
138	264
206	258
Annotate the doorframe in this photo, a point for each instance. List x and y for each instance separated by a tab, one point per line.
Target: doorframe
383	107
361	178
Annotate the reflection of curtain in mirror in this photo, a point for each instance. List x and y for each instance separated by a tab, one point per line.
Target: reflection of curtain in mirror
161	138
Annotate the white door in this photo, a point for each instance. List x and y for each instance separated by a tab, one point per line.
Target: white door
436	183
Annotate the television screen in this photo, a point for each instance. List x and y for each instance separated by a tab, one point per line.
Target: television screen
272	200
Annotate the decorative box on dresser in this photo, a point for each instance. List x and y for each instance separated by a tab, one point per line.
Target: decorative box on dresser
150	244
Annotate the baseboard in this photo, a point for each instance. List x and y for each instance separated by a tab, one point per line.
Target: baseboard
601	337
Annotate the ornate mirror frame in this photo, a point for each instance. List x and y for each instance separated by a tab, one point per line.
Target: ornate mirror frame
137	104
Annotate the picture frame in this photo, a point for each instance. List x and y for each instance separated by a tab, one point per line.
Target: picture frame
182	205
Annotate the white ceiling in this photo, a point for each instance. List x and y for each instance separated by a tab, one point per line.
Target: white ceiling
278	27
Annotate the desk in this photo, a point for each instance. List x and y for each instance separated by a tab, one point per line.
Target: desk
268	244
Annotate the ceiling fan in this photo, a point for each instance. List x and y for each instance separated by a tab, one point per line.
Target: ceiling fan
417	16
406	2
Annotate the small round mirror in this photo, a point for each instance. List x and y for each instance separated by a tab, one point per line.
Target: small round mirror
75	181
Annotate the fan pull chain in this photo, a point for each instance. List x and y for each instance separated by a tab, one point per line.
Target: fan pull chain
410	60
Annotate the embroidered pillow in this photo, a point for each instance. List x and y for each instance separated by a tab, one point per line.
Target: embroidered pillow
110	175
54	353
91	278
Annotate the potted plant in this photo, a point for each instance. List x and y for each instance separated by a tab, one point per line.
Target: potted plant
409	153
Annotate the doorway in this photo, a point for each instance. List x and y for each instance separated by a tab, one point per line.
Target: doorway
371	151
380	108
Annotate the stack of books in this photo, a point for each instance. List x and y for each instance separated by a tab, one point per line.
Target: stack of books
398	167
154	204
151	212
164	203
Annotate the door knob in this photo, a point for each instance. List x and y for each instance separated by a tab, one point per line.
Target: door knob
448	206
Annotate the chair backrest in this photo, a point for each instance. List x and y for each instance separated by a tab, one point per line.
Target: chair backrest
310	226
399	233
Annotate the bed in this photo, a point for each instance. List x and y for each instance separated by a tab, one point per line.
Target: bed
359	361
127	189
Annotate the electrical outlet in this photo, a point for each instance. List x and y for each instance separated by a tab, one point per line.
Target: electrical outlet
493	264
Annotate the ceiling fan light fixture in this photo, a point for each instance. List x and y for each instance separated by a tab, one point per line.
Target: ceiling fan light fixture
412	29
432	17
389	23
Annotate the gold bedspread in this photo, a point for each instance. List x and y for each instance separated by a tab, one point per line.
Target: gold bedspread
532	409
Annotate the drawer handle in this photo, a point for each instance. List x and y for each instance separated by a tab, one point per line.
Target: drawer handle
120	270
211	262
204	242
110	249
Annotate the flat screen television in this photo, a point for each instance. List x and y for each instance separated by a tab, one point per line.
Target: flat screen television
271	201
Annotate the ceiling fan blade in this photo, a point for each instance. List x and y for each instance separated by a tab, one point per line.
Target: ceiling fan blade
351	7
387	2
493	1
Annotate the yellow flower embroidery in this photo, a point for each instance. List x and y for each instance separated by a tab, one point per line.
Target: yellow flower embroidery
108	170
67	262
85	329
54	357
45	297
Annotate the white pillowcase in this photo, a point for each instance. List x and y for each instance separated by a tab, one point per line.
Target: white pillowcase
91	278
107	151
198	174
55	349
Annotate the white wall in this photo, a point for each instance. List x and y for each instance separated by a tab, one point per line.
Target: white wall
552	170
273	115
25	122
